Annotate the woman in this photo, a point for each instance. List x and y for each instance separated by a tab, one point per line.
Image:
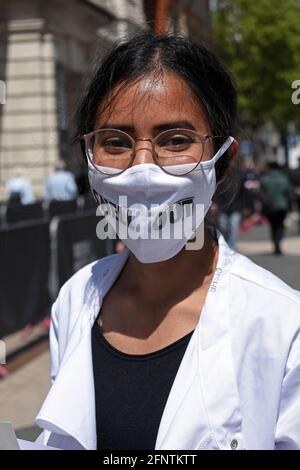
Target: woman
160	346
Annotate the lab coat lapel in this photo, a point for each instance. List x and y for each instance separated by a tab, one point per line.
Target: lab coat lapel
203	409
183	422
69	408
216	364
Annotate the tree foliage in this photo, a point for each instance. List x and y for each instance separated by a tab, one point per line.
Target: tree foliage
259	41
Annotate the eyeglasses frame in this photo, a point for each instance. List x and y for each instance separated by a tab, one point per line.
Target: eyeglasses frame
86	138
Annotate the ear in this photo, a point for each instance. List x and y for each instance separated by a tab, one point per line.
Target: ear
233	150
227	162
232	154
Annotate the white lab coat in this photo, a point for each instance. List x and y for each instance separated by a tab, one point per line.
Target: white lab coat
238	385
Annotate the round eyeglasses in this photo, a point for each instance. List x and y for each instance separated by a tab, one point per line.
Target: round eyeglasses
176	151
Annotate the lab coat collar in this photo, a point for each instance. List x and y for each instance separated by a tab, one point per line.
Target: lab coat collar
204	395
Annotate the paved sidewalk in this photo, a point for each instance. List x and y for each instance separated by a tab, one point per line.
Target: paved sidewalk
256	245
290	246
22	393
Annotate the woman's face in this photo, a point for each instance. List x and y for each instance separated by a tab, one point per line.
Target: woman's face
150	106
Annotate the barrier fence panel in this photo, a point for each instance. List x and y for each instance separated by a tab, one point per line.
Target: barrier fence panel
24	268
21	212
37	259
58	208
73	245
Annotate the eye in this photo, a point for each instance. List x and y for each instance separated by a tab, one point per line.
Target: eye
176	142
116	142
112	145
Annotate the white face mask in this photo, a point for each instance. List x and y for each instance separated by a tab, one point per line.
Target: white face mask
148	193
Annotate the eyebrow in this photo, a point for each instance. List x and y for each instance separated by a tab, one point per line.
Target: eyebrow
158	128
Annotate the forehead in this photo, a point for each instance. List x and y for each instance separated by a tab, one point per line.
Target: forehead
152	99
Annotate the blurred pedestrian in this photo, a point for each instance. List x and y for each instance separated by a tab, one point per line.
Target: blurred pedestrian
277	197
295	180
229	219
252	213
18	189
61	185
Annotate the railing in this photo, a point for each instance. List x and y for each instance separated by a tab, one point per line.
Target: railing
37	257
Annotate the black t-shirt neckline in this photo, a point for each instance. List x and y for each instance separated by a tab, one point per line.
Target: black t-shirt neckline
140	357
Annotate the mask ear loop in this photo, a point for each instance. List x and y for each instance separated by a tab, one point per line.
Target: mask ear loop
197	241
222	150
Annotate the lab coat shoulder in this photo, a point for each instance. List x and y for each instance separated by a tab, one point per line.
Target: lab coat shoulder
77	289
80	290
265	330
262	307
265	292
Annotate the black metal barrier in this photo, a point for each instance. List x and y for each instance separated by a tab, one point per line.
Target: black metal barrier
58	208
73	245
37	258
24	268
21	212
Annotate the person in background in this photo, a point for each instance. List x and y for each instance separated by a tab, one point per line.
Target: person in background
229	220
252	205
18	189
295	180
277	197
61	185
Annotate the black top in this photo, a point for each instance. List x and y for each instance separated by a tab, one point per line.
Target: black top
131	392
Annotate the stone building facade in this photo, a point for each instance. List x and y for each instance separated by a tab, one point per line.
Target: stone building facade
47	47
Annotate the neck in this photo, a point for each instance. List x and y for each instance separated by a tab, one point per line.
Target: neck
174	278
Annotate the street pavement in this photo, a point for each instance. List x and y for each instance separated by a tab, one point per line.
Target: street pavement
23	391
257	246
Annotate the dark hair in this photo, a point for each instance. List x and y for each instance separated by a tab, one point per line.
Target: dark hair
148	53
